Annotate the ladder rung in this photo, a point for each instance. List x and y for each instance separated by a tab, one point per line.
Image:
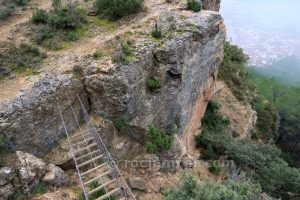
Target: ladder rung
89	154
101	186
98	177
85	148
90	161
84	141
78	134
109	194
95	168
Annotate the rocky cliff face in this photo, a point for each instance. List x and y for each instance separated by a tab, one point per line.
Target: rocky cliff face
185	62
185	65
31	121
211	5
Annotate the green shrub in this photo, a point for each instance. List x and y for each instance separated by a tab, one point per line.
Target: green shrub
39	16
121	123
70	16
234	73
153	84
214	167
156	33
151	148
8	7
194	5
19	59
6	11
115	9
97	55
190	189
266	160
41	188
255	135
209	153
56	27
126	49
235	134
158	140
20	2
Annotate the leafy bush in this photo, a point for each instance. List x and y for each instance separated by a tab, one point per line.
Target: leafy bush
158	140
234	73
19	59
266	160
153	84
121	123
115	9
56	27
39	16
156	33
8	7
235	134
209	153
190	189
97	55
41	188
214	167
194	5
6	11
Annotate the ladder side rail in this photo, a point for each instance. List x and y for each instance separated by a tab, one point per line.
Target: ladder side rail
82	135
94	132
72	152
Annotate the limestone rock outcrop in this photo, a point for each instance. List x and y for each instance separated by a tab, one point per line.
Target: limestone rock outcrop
6	191
184	61
185	64
211	5
55	176
6	175
30	171
31	121
137	183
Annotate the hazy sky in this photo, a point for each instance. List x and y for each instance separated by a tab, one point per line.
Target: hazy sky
267	29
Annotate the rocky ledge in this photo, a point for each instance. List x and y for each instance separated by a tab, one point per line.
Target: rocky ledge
184	61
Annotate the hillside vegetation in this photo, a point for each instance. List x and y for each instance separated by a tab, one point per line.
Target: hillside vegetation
264	164
266	160
191	189
8	7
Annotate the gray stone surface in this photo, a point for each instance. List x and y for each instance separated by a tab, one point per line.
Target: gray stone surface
6	175
188	162
211	5
31	122
55	176
137	183
31	170
182	63
6	191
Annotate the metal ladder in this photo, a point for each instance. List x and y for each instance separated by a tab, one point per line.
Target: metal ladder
94	164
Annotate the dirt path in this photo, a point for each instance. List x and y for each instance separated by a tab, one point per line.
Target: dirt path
8	25
63	61
67	58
